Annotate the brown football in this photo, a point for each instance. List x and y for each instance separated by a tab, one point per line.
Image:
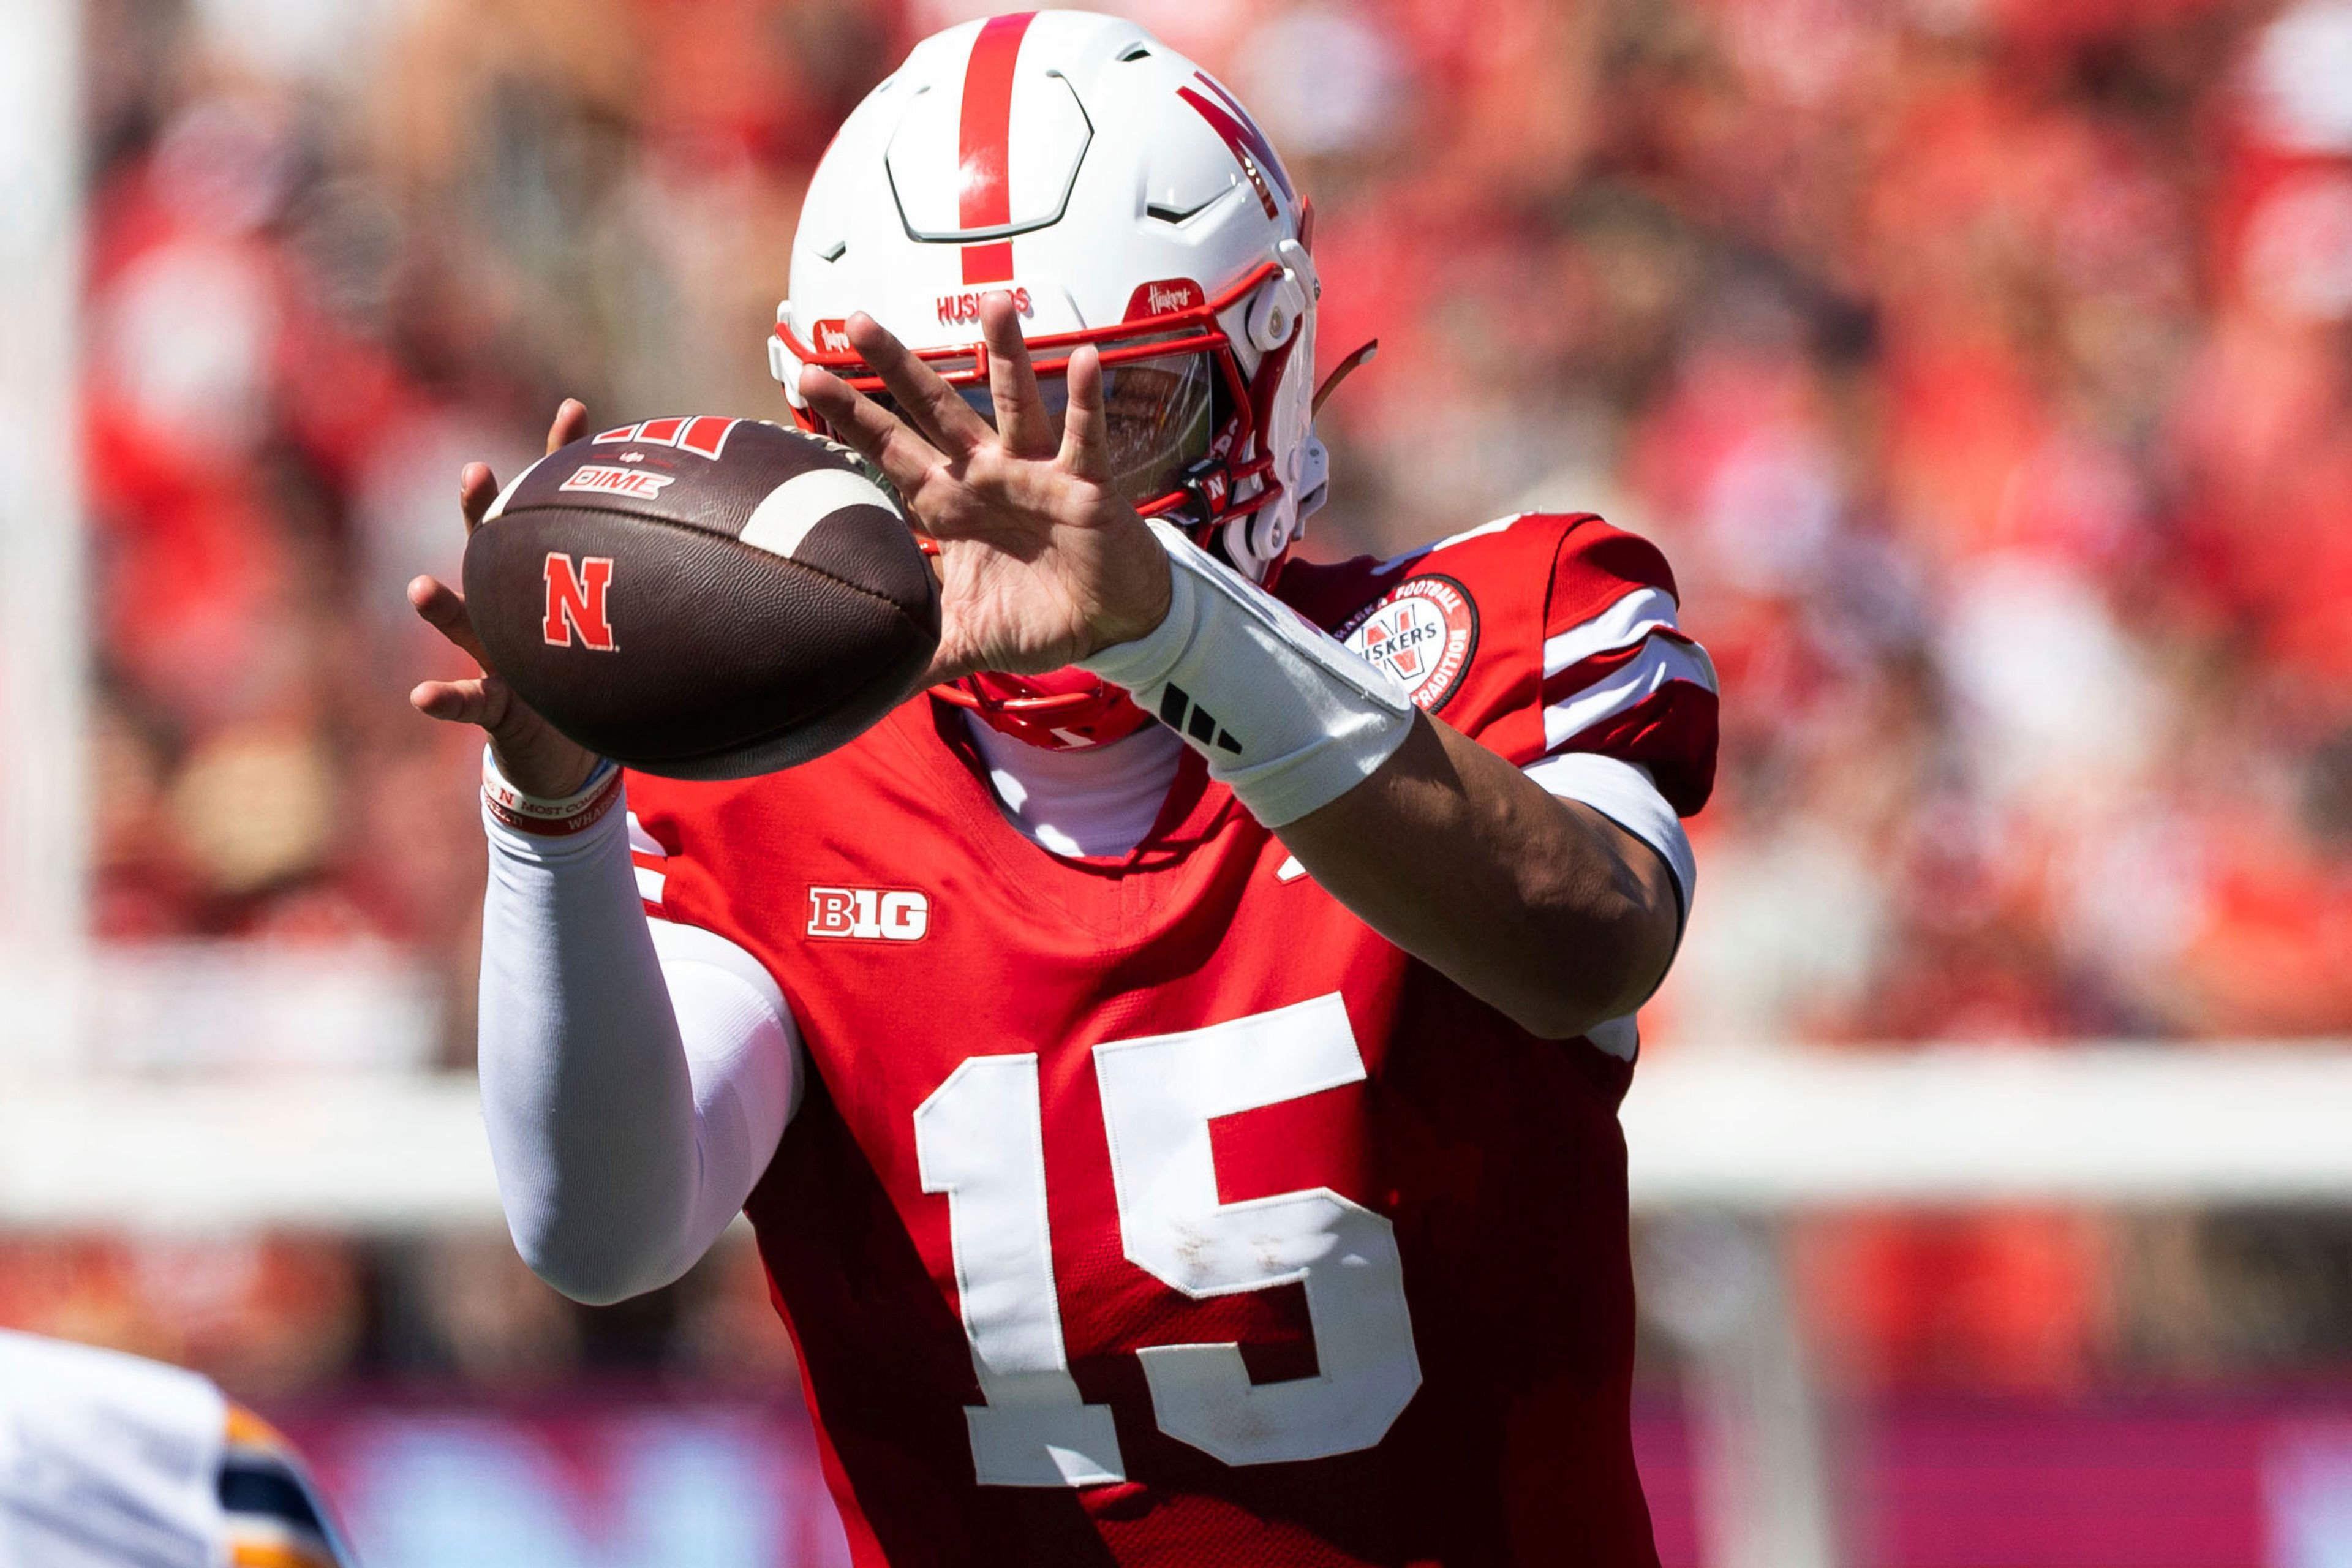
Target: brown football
703	598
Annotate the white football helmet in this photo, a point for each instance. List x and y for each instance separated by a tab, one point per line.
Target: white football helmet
1124	199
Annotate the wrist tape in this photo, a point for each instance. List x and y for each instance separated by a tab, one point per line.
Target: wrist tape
1288	718
575	813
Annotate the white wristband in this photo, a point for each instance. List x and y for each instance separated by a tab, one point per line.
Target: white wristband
543	818
1287	717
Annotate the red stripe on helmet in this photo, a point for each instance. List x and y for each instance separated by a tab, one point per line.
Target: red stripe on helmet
988	263
984	198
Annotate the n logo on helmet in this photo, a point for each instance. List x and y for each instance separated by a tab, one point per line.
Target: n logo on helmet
575	601
1242	137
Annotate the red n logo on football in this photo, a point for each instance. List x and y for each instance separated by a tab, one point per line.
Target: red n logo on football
575	601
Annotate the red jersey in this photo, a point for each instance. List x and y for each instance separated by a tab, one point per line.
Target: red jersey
1154	1210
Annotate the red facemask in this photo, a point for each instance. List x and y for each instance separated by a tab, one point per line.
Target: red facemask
1063	710
1069	707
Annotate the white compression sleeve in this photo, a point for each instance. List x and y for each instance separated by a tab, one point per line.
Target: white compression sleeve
629	1118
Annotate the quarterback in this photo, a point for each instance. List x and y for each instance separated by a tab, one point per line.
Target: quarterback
1171	1067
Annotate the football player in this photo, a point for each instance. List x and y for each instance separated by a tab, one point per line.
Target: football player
1172	1069
110	1461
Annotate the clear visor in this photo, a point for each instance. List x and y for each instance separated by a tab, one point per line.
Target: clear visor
1160	413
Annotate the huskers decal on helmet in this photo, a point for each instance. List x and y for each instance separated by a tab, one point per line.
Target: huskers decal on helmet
965	307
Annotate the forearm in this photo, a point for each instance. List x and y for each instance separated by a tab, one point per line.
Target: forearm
1548	909
622	1146
1542	907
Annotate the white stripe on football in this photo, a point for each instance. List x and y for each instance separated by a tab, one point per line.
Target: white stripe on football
792	509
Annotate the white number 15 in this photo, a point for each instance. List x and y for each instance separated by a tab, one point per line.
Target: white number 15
980	1140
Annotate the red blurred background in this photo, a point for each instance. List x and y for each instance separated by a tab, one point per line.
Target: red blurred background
1985	367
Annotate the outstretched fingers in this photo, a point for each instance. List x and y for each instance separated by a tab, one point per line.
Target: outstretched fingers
570	423
477	488
931	405
1022	421
443	608
1086	430
453	701
483	700
905	457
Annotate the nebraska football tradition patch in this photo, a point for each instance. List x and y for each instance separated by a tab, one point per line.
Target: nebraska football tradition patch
1424	632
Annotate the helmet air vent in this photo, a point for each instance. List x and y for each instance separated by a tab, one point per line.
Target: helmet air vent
1015	178
1169	214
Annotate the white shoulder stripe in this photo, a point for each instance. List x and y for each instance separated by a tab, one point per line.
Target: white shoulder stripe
643	843
1622	624
1468	534
786	514
1627	794
1661	662
650	883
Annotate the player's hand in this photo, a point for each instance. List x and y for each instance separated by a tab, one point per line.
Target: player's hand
1040	561
535	757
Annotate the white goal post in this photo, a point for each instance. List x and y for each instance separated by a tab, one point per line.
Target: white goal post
43	656
2102	1124
1751	1132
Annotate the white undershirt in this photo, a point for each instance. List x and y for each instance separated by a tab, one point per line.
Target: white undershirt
1101	800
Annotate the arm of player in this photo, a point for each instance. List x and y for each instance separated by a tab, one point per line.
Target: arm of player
1548	910
634	1082
636	1075
1542	907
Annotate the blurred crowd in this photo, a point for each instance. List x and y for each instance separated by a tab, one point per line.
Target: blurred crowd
1984	366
